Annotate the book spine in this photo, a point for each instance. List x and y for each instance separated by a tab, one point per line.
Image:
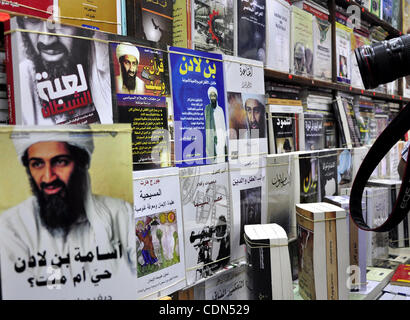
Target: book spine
287	102
331	256
10	77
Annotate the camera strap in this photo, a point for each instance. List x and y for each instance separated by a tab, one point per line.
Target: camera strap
386	140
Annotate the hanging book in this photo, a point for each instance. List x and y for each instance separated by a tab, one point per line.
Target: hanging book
246	105
207	220
158	221
182	24
328	185
248	189
141	82
309	177
198	95
66	81
71	237
343	51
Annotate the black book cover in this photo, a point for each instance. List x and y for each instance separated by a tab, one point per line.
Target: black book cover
284	132
328	174
251	29
308	168
314	131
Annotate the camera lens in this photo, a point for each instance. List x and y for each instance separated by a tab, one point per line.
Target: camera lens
384	61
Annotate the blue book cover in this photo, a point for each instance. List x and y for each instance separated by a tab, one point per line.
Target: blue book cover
199	107
387	11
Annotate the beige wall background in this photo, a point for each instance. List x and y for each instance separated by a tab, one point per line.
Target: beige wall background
110	170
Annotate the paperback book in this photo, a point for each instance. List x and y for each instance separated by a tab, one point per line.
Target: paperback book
70	86
343	52
206	205
199	107
159	235
141	78
46	256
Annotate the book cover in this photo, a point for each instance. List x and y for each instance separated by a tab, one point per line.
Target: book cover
386	12
159	234
314	132
182	24
330	129
343	51
401	277
284	132
251	29
328	185
278	35
344	168
396	15
357	41
245	92
301	42
66	81
322	40
71	237
206	205
353	126
141	80
342	125
37	8
309	177
279	189
213	22
375	7
103	15
248	193
198	96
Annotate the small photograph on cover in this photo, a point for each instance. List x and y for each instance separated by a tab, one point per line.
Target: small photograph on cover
214	26
247	116
139	71
66	217
157	242
250	208
59	79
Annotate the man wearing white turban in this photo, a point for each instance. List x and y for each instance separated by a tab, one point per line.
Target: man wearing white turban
63	226
215	129
128	82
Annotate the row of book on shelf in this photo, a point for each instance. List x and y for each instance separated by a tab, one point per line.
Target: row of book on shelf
211	106
288	36
149	233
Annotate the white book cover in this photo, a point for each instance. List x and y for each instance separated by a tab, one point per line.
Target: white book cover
343	52
249	200
278	35
159	232
285	267
279	188
206	205
245	98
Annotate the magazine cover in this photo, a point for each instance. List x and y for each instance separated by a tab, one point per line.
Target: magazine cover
66	218
198	95
309	177
280	195
248	189
159	234
37	8
245	92
141	80
213	22
55	79
251	29
328	185
207	219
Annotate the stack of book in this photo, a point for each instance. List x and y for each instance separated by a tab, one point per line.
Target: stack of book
323	248
269	269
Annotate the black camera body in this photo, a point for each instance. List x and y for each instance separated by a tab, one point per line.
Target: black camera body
384	61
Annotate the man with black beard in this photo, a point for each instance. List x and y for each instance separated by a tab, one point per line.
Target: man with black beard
255	115
62	64
128	82
63	226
